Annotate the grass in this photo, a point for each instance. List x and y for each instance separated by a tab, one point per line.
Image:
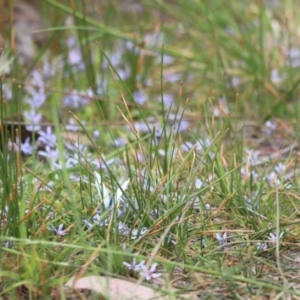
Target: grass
207	188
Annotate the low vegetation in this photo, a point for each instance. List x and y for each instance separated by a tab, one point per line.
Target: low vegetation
153	143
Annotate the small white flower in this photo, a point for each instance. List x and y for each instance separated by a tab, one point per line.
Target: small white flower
222	239
27	147
270	126
59	231
280	168
134	266
149	274
261	246
34	119
252	156
96	134
275	78
136	234
199	183
123	229
272	237
203	144
246	174
273	180
208	206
